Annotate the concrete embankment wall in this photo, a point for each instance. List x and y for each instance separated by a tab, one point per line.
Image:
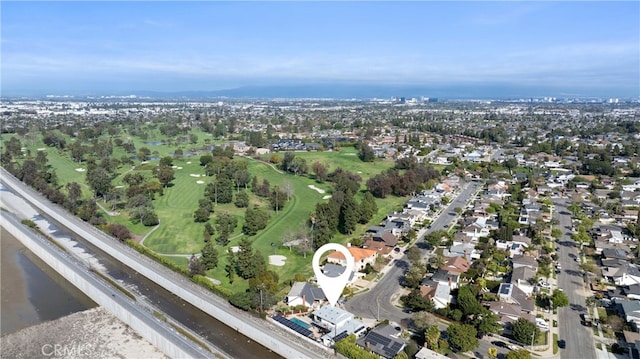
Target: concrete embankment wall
98	291
182	287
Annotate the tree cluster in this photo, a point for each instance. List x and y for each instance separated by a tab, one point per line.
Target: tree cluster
397	184
365	152
255	219
342	212
263	283
524	331
296	165
225	225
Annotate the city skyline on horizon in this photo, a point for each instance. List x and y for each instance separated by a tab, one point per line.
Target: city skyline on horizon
497	49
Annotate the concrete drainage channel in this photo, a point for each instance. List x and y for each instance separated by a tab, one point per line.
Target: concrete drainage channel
144	323
210	316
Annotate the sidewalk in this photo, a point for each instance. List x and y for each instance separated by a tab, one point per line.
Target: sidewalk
548	353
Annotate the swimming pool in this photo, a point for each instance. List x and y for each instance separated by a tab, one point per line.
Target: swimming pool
300	323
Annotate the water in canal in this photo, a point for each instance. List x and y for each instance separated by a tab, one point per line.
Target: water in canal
30	295
32	292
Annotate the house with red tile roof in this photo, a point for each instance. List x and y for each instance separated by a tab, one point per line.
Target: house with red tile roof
456	264
361	256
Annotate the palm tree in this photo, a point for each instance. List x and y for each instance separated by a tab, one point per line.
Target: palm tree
492	352
437	262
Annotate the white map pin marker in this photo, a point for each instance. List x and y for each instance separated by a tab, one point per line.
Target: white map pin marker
333	286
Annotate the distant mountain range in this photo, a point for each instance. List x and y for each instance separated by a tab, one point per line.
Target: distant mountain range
361	91
341	91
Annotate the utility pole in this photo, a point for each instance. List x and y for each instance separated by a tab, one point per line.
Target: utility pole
532	336
261	307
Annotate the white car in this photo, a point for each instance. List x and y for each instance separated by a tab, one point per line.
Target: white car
544	285
542	324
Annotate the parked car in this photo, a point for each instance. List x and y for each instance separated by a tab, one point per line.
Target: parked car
544	284
542	324
562	344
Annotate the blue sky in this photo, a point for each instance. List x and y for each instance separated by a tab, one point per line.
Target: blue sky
579	48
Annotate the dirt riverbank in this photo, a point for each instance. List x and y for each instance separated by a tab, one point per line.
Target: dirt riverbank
93	333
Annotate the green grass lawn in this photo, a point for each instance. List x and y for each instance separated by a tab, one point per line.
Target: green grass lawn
179	234
347	159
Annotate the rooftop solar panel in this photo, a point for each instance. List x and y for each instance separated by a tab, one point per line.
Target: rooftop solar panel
340	336
293	326
375	339
505	289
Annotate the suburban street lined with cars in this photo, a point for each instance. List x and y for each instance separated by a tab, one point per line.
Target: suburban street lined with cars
575	339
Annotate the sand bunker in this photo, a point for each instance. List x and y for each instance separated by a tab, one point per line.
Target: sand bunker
277	260
327	196
320	190
194	175
41	149
199	182
80	170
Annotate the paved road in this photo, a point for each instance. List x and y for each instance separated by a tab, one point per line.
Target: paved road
378	299
367	304
579	339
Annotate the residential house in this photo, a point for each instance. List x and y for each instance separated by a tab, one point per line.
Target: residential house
624	274
456	264
330	317
477	229
351	326
524	261
304	293
626	292
510	293
633	343
615	253
466	250
445	277
361	257
426	353
508	313
630	311
334	270
632	291
383	340
381	242
522	240
630	196
523	278
438	292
